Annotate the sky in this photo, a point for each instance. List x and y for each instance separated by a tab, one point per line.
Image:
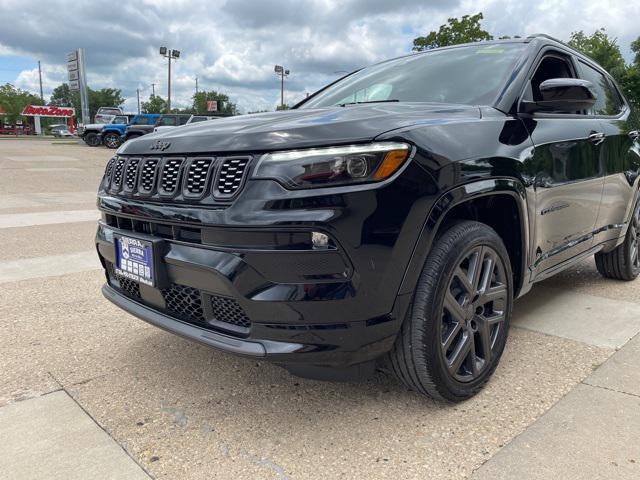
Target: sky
233	45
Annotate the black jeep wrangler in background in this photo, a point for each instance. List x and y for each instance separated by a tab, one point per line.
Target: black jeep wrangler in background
389	219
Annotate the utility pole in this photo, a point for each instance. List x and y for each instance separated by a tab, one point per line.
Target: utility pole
40	75
138	93
196	85
169	54
282	72
153	89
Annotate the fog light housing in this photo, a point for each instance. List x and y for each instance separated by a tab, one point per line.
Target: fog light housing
319	240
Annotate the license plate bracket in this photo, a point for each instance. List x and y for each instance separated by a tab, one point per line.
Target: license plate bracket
136	259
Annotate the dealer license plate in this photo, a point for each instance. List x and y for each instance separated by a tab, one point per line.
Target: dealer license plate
134	259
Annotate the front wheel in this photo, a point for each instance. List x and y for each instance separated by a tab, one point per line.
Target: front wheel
455	332
92	139
111	140
623	263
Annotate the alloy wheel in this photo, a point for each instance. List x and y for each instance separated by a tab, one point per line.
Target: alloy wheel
634	254
473	313
112	141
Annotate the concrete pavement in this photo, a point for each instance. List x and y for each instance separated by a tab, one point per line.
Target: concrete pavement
180	410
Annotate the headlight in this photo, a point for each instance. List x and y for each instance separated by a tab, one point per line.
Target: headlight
327	167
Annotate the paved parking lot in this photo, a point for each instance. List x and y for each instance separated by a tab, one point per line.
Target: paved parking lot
88	391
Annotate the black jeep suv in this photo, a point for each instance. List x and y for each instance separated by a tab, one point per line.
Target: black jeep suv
390	218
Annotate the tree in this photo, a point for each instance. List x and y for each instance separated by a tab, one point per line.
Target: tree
464	30
105	97
13	100
155	104
225	106
606	52
602	49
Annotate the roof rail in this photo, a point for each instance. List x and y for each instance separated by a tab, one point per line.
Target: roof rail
544	35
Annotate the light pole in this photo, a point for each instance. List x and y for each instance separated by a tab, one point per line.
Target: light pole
282	72
169	54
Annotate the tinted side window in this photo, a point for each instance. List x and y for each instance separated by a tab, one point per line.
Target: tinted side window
608	101
183	120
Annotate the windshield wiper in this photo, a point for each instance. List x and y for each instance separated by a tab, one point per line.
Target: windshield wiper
369	101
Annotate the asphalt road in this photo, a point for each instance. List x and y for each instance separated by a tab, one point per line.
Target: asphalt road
161	406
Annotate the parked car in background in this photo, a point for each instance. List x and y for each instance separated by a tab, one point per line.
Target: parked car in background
105	114
170	121
92	133
112	134
60	131
167	119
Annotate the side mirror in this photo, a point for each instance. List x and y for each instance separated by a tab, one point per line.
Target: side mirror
563	95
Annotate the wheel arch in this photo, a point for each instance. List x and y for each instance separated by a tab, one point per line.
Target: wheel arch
452	203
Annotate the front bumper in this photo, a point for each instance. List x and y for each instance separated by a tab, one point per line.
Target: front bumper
300	307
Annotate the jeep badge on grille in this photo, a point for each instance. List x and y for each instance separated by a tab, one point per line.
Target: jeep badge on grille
160	145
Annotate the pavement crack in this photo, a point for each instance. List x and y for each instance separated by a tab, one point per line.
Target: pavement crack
75	400
585	382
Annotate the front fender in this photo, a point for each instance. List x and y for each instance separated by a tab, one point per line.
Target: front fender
456	196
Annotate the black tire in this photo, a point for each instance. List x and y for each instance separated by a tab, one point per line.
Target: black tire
92	139
623	262
111	140
419	357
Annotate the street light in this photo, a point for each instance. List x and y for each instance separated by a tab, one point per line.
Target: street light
169	54
282	72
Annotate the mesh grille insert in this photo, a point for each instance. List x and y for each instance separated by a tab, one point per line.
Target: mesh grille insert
118	172
184	302
127	286
148	175
227	310
131	174
170	174
231	175
197	175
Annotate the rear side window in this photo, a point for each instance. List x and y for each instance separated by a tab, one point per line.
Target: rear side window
167	122
608	101
141	120
184	120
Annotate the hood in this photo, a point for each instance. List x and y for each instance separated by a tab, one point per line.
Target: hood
298	128
95	126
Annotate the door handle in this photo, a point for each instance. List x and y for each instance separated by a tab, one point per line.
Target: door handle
634	134
596	138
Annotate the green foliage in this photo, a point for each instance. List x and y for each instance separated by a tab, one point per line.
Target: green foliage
225	106
601	48
155	104
105	97
13	100
605	50
283	107
464	30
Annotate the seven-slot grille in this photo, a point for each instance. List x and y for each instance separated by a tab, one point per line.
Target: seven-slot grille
131	174
197	175
170	175
148	175
118	172
191	178
231	176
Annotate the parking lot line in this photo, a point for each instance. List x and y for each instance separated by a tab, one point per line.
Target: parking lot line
42	158
45	199
49	266
12	220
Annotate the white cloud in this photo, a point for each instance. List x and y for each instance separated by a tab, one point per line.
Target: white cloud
232	45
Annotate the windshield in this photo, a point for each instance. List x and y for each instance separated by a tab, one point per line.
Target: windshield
120	120
469	75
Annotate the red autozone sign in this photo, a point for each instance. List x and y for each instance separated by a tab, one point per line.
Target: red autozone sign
47	111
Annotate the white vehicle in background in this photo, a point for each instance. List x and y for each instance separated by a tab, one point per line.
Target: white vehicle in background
106	114
167	122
